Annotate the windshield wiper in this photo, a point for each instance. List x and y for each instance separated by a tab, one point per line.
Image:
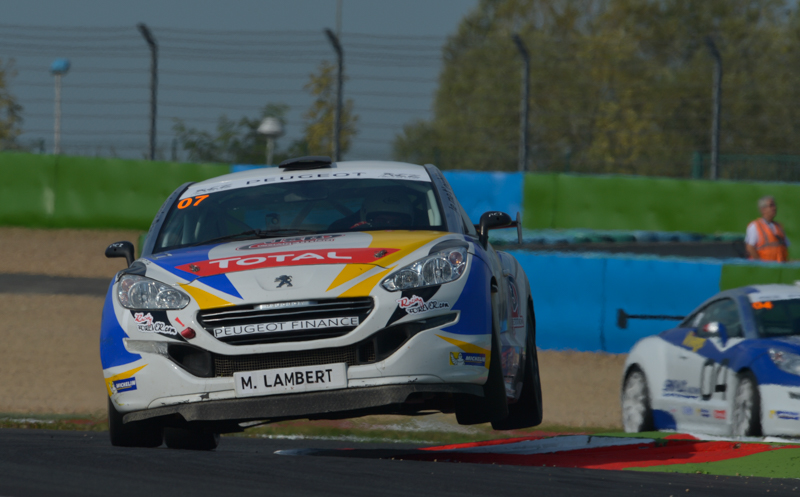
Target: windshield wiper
252	234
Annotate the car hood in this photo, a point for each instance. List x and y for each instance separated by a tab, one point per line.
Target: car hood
331	265
792	341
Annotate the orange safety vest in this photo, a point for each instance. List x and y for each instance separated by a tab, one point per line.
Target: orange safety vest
771	246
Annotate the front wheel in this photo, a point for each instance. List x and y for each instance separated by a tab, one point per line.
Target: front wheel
747	407
637	415
527	410
147	433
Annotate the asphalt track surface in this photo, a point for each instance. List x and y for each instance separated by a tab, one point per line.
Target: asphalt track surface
44	284
67	463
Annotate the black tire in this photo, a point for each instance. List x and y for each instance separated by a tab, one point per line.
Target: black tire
148	433
637	413
526	412
746	416
473	410
179	438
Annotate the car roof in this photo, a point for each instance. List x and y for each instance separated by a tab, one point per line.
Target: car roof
772	289
345	166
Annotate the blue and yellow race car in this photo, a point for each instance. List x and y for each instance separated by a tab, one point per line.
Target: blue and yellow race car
731	368
315	290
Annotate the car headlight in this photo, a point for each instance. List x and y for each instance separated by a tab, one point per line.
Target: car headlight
441	267
138	292
785	361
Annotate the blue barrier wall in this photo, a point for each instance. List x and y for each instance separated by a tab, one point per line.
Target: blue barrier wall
479	192
576	297
567	299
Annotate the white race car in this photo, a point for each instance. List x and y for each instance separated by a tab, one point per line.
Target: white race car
731	368
315	290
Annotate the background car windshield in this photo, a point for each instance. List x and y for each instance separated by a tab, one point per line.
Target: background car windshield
777	317
308	207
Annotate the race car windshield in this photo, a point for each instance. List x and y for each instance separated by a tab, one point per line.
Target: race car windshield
301	208
777	318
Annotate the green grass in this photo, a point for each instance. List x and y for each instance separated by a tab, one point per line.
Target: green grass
70	422
784	463
438	429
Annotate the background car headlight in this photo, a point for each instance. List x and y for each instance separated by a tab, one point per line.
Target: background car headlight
138	292
441	267
785	360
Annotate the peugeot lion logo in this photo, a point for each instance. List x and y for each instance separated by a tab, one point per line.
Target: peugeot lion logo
283	280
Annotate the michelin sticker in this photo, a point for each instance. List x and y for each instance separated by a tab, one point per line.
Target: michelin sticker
417	305
467	359
791	415
125	385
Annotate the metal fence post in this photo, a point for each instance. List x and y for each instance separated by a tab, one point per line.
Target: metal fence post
337	114
523	106
148	36
717	106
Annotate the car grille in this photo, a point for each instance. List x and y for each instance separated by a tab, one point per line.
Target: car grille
352	355
247	315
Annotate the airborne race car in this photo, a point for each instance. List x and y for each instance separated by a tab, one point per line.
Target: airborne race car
732	367
315	290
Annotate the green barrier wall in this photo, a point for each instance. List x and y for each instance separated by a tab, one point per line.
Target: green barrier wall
735	275
80	192
636	203
27	189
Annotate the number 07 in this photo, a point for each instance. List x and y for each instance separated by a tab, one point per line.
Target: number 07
188	201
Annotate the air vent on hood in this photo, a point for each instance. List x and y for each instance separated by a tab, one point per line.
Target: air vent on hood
303	163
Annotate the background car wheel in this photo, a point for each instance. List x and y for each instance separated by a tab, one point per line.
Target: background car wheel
527	410
747	407
472	410
148	433
179	438
637	415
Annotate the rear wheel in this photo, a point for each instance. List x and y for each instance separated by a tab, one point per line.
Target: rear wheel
747	407
637	415
147	433
180	438
527	411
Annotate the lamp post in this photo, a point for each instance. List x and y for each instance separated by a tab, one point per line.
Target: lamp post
58	68
272	128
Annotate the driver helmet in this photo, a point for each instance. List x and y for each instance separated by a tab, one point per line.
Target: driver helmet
389	211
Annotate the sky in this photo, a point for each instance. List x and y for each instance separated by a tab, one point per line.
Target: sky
218	58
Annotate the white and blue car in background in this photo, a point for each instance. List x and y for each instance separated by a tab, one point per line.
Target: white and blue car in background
731	368
317	290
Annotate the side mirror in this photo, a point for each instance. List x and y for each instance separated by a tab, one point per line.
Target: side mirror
121	249
492	220
718	329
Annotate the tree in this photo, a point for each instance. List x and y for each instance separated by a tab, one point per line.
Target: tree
320	117
10	110
238	142
616	85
